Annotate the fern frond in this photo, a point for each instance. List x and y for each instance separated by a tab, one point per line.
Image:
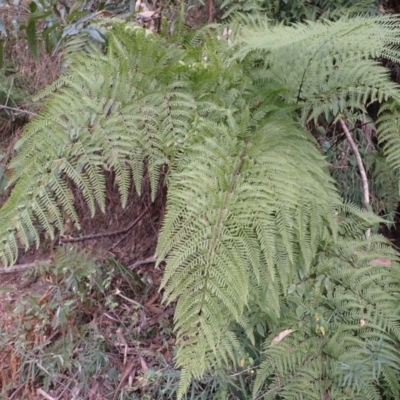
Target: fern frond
114	111
333	70
241	200
344	328
388	126
254	229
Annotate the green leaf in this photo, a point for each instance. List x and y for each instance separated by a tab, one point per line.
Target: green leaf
95	33
353	160
300	290
299	312
50	29
327	283
82	15
32	39
32	6
261	330
292	288
39	15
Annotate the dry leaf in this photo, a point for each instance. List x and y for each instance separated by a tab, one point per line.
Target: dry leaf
281	336
143	364
146	14
120	338
154	309
381	261
152	300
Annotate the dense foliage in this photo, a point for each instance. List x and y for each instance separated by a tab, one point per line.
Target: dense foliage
268	264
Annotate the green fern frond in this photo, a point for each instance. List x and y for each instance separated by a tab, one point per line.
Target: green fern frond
115	111
334	69
388	128
241	200
343	328
255	231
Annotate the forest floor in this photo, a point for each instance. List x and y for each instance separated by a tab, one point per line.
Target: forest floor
118	317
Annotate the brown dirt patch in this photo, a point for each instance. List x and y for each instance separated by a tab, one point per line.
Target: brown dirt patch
136	330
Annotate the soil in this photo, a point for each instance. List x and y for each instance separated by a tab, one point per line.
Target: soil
134	250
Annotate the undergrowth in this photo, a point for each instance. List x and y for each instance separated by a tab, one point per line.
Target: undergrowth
72	339
90	322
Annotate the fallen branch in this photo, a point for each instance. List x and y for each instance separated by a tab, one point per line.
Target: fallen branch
106	234
17	110
361	168
23	267
149	260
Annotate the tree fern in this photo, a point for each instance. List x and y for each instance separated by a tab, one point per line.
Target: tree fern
332	70
254	231
115	111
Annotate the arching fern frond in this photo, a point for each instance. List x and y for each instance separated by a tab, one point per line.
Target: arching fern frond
333	70
111	109
248	198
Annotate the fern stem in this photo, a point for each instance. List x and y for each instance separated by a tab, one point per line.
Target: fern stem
361	168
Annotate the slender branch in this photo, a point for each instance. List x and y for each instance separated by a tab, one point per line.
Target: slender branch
106	234
361	168
23	267
149	260
210	10
44	394
17	110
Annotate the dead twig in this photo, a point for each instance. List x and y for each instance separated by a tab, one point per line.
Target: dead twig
17	110
149	260
44	394
23	267
130	369
106	234
361	168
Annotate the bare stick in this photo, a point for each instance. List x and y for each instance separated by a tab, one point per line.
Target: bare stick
149	260
44	394
361	168
23	267
17	110
106	234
